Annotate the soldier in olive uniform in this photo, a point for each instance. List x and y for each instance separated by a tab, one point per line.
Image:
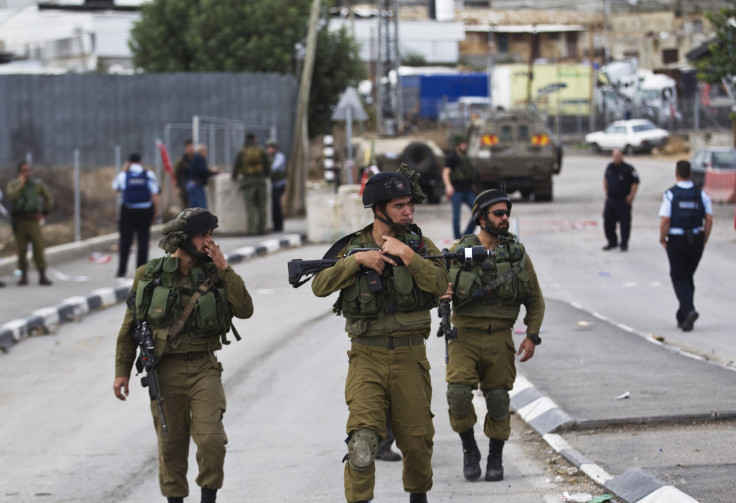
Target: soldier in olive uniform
486	301
30	201
188	370
386	296
252	168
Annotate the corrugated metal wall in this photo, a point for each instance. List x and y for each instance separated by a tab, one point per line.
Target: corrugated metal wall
48	116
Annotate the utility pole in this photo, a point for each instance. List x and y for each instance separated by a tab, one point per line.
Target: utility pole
388	96
296	186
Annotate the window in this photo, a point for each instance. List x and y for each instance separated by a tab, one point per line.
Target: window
670	56
506	134
523	133
502	42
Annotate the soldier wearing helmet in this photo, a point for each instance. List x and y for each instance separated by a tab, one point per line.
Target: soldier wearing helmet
486	300
386	296
188	297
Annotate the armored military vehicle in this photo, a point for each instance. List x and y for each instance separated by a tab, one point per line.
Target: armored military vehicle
422	155
514	150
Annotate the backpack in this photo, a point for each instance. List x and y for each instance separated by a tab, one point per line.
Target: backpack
253	160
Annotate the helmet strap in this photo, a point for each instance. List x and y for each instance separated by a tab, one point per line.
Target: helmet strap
488	228
385	219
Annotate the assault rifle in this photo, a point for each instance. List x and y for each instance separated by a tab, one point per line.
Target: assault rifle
446	329
143	335
299	268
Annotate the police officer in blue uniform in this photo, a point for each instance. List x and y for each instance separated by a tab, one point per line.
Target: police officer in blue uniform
620	183
686	219
138	206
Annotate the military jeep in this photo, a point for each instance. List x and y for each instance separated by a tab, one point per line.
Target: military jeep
514	150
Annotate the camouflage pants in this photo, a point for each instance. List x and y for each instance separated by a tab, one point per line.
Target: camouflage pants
487	360
398	379
29	231
194	403
254	194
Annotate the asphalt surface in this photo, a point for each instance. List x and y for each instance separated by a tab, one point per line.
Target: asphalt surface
611	376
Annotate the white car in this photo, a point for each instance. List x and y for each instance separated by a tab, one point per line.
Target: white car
629	136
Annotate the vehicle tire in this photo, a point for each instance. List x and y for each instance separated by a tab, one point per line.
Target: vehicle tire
629	150
595	148
525	193
420	158
545	194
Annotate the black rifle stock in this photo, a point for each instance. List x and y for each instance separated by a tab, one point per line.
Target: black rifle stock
147	361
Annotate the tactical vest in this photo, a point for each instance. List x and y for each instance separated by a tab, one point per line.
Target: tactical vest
505	269
398	306
464	171
136	188
30	200
687	208
162	295
252	160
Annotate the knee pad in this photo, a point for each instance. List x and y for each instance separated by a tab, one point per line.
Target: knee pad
362	449
460	400
497	402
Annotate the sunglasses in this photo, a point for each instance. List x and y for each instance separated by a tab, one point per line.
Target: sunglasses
500	213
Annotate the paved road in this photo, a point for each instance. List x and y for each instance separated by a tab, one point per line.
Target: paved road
602	309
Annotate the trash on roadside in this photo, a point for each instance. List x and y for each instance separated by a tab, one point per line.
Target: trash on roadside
657	337
601	499
559	479
583	324
576	497
99	258
623	396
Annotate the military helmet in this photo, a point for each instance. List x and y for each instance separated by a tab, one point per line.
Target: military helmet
486	199
385	186
187	224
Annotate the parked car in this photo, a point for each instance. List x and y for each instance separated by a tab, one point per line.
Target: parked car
719	158
629	136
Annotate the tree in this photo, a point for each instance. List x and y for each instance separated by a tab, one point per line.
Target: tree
719	64
238	36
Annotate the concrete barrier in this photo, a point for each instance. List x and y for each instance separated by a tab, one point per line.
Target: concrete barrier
720	185
225	199
331	216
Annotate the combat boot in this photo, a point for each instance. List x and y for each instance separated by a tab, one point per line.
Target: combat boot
494	468
209	495
42	279
418	498
175	500
23	278
471	455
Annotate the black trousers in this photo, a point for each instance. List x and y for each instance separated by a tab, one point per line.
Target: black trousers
617	211
684	254
134	221
276	212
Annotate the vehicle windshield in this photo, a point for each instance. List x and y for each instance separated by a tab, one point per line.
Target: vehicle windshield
643	127
724	160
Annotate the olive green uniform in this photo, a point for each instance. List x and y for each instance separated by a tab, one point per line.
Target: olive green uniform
188	370
484	354
27	203
253	182
388	366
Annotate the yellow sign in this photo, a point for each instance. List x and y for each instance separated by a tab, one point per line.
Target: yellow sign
556	88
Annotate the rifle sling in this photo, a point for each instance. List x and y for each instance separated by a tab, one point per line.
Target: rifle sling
202	289
515	269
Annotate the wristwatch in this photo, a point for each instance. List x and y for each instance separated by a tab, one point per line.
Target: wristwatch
535	339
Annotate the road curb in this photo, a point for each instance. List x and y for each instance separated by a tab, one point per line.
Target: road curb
545	416
48	319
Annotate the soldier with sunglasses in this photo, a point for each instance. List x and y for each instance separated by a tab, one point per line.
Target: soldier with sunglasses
486	300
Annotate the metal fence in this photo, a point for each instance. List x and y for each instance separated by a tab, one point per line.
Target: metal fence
48	117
